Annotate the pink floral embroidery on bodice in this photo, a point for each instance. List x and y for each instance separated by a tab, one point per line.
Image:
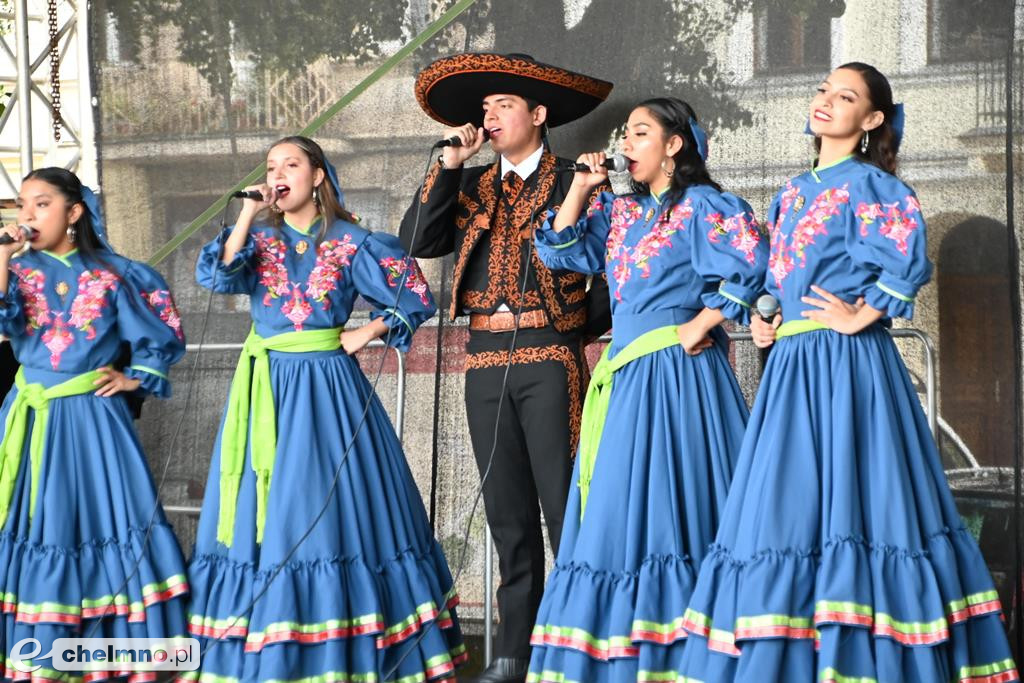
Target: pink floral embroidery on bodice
331	257
270	253
31	286
785	257
297	309
626	211
91	299
780	262
57	339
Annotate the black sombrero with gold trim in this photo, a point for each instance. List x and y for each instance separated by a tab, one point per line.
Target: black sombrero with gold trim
451	89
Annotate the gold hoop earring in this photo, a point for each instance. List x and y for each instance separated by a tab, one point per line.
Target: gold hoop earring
72	234
668	171
316	195
864	143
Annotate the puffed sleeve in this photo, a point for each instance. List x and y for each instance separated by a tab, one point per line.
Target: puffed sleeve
237	277
887	237
729	250
150	324
379	267
580	247
12	302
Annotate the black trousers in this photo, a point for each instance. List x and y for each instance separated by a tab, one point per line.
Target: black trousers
531	467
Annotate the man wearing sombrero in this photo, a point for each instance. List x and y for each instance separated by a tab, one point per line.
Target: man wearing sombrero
486	215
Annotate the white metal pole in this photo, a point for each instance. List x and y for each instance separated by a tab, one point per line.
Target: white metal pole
87	164
24	84
488	596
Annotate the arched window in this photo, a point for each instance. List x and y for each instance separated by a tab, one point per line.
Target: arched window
976	339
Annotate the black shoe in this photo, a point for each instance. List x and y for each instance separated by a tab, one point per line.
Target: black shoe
505	670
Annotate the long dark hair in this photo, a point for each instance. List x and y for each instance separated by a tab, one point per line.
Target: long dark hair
68	184
882	147
674	115
329	206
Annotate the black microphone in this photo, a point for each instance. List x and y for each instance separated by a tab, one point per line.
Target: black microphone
248	194
617	163
29	233
456	141
767	307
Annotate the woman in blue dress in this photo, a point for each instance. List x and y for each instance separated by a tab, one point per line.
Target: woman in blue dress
368	589
841	556
681	256
83	540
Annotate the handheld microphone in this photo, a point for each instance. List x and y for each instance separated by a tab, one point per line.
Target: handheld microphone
616	162
248	194
456	141
29	233
767	307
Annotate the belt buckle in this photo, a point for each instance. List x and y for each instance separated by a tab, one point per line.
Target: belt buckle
502	321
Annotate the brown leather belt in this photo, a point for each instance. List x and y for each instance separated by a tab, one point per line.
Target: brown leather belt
505	321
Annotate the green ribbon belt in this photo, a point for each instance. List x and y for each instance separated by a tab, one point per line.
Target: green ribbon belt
595	407
250	417
36	397
794	327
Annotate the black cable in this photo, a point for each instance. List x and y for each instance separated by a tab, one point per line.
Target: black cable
435	454
414	644
1013	253
167	463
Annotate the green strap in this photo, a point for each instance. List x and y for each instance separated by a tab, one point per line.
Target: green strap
36	397
250	389
788	329
595	407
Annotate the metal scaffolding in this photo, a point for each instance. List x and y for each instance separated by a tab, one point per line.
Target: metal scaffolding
27	139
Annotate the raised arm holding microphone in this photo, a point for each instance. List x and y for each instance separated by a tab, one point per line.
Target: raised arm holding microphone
524	428
308	481
78	506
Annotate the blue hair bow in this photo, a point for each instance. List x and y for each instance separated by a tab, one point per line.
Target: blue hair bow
897	125
92	205
332	176
700	137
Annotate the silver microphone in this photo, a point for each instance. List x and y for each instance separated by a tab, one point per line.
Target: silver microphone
27	231
617	163
767	307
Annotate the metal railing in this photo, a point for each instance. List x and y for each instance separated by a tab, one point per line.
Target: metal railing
193	510
990	91
260	102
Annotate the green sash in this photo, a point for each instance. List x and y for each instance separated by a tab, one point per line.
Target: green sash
250	417
38	398
595	407
788	329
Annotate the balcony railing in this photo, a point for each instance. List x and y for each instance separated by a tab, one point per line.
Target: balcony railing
173	99
990	91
